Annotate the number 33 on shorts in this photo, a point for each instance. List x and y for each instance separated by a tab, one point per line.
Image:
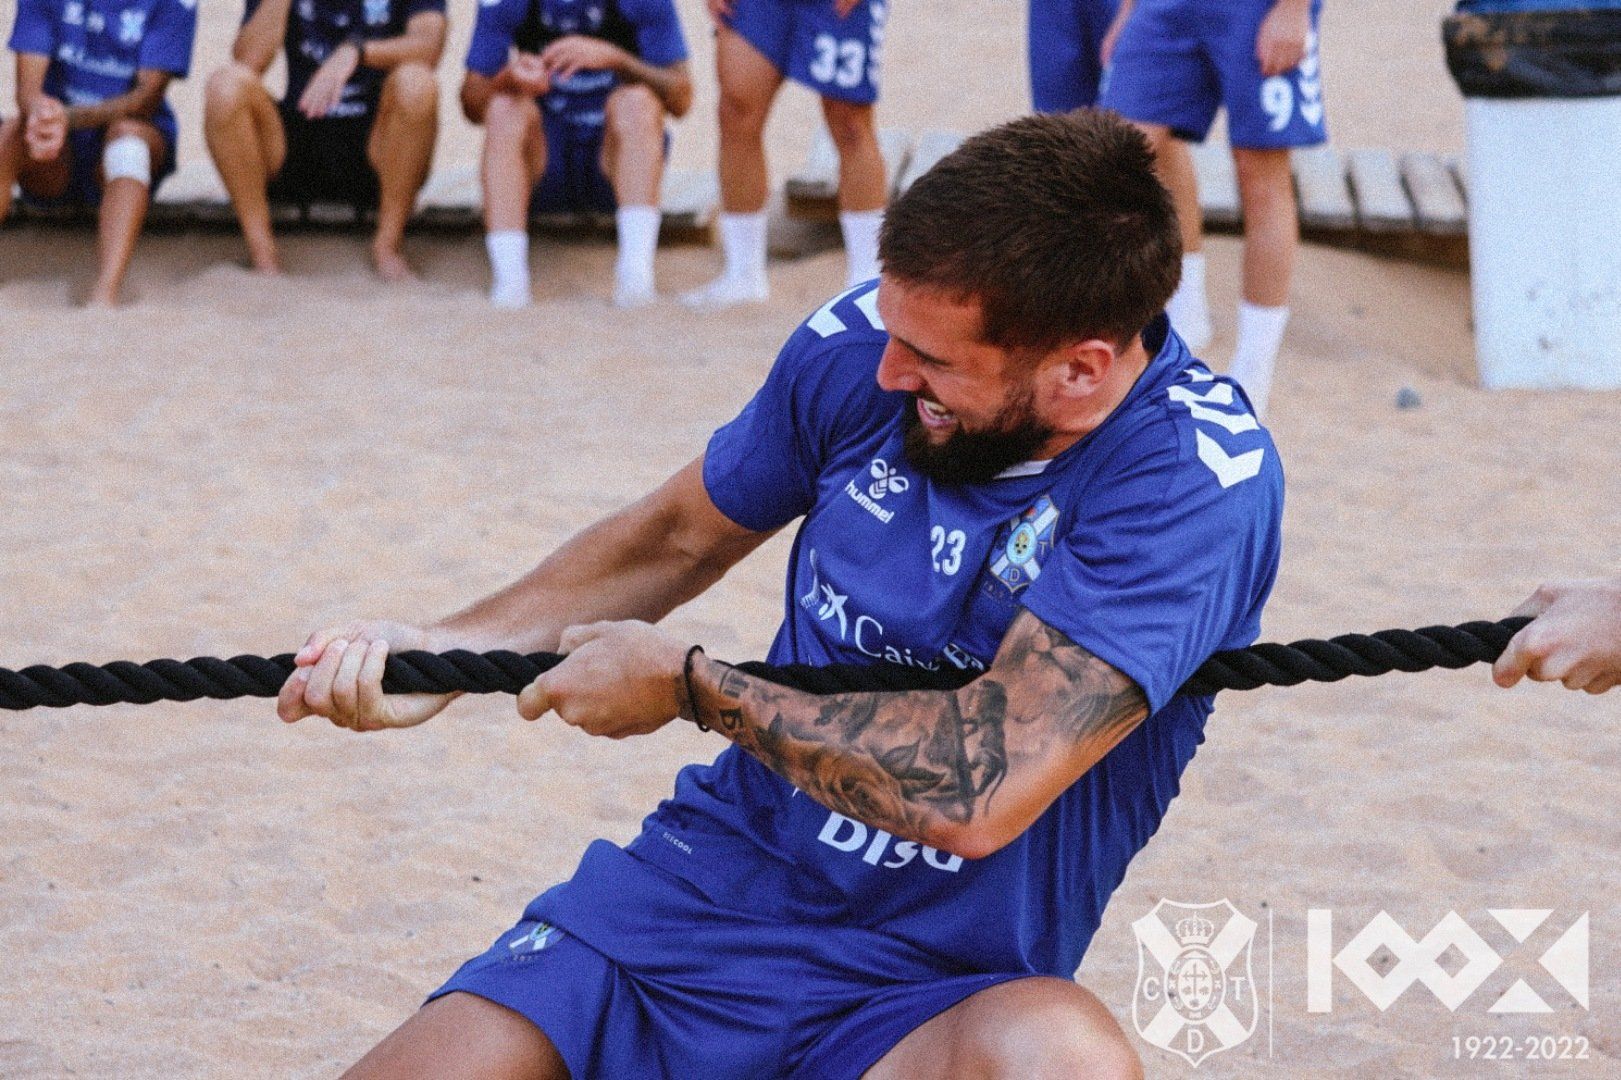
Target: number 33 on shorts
845	53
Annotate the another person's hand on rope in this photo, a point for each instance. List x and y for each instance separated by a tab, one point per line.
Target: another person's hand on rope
339	675
1574	637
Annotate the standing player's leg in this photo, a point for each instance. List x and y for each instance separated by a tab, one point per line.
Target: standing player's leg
462	1035
633	160
248	145
748	84
1189	308
863	185
1271	238
133	152
1269	110
514	159
401	150
1161	79
1039	1028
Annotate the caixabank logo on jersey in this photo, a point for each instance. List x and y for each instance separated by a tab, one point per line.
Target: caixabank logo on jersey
1195	984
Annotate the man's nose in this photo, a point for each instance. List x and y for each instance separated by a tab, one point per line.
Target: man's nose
897	371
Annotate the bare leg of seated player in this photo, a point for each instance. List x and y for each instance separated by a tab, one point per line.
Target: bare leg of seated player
401	150
1030	1029
863	185
748	84
514	159
462	1036
1271	237
246	140
126	192
1189	308
633	158
13	151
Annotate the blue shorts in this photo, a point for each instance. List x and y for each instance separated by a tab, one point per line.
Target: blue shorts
85	146
1178	61
1065	37
808	43
631	972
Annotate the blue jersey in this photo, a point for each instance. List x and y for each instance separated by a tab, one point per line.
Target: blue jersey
97	46
647	29
315	28
1152	542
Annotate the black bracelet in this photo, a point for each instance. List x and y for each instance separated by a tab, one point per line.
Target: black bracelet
686	675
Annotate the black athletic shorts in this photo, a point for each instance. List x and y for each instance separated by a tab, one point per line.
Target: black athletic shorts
326	161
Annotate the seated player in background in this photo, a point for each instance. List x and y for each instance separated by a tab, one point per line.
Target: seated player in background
1174	64
93	127
357	124
573	99
833	47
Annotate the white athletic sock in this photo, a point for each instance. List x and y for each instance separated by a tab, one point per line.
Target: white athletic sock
1260	334
509	267
1188	309
860	229
638	228
743	243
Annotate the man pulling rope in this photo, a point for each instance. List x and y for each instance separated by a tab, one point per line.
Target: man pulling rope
1006	462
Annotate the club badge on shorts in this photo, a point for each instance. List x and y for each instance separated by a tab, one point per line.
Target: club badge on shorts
1195	989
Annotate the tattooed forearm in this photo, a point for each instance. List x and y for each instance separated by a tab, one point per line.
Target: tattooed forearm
924	765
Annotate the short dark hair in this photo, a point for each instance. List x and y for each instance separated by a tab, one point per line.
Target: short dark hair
1057	224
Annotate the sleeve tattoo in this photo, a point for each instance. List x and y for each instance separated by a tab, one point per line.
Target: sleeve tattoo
914	762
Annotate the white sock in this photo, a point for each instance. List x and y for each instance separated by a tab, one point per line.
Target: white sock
638	228
509	267
860	229
1188	309
1260	334
743	243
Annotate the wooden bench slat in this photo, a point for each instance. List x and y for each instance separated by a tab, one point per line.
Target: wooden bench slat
1381	201
1437	202
1325	195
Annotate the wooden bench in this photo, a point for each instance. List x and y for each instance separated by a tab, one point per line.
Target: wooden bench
194	197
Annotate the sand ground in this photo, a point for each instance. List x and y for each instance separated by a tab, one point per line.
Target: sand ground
195	890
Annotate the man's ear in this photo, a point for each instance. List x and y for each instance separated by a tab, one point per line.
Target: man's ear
1084	366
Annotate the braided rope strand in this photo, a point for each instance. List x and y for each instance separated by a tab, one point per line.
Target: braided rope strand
1267	664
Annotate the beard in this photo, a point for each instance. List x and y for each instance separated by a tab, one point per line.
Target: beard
973	457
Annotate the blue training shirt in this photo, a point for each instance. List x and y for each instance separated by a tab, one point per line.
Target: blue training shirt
315	28
1152	542
97	46
647	29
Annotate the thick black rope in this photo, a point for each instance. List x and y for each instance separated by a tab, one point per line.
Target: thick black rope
509	672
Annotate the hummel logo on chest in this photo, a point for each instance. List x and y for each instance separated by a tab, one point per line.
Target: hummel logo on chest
885	481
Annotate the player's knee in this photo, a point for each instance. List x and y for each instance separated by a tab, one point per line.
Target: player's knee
227	90
634	113
508	117
127	155
851	126
742	113
1263	173
414	90
1050	1028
